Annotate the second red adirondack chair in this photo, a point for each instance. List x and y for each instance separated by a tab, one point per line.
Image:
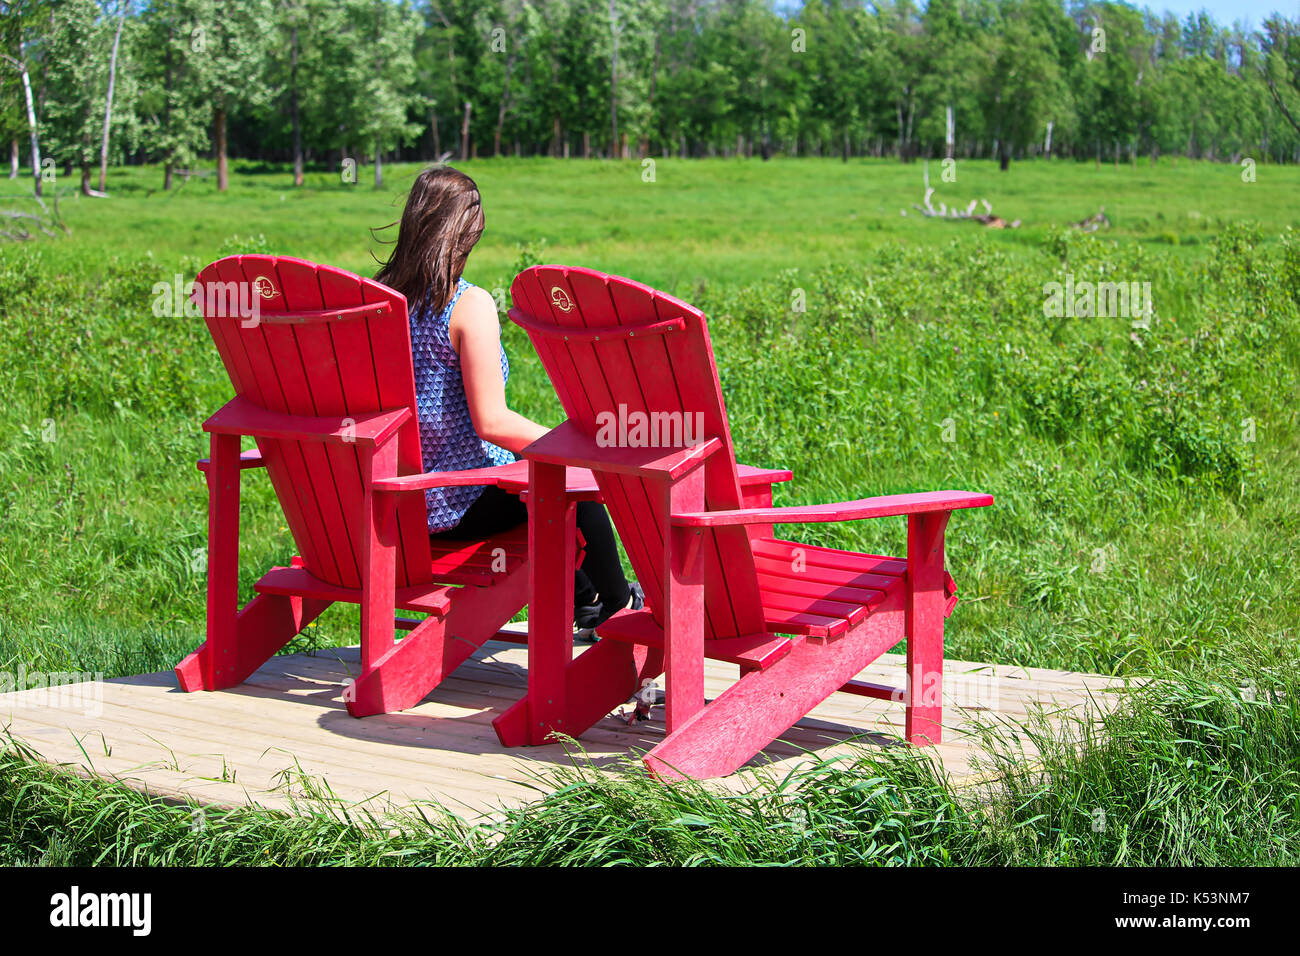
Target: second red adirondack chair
632	365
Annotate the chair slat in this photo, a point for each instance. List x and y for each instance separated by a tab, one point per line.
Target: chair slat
284	344
811	586
783	551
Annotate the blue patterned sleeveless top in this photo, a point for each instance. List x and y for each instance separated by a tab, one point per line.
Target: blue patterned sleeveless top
447	437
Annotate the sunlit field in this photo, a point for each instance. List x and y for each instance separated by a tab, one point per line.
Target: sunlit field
721	222
1147	519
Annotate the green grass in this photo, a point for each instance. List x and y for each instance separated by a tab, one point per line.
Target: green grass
723	222
1146	518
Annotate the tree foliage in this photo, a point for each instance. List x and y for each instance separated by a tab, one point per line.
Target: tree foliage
328	80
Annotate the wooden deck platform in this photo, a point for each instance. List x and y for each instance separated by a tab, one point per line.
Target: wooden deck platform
252	744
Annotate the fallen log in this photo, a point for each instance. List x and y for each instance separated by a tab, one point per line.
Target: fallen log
986	218
1092	223
14	221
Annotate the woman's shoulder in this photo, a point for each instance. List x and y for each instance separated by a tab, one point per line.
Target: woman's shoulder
472	301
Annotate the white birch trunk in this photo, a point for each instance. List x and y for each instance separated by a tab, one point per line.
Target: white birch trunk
108	99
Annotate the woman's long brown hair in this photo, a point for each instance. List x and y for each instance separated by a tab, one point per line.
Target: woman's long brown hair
442	221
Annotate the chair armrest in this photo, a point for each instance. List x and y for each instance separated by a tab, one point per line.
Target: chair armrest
248	459
752	477
493	475
566	445
579	482
880	507
241	417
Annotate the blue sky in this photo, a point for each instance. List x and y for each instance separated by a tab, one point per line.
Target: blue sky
1225	12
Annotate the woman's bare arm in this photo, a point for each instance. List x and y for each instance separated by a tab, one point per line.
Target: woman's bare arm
475	333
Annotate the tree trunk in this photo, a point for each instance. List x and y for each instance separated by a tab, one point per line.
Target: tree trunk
13	158
613	78
85	180
108	98
31	121
908	145
293	107
1004	156
505	102
437	146
1047	144
650	103
949	133
379	166
464	133
167	106
219	127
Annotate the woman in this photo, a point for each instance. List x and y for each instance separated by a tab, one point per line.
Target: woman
460	387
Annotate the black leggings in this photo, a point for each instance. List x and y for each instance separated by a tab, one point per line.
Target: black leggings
599	579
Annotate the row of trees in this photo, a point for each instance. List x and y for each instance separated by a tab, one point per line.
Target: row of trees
88	82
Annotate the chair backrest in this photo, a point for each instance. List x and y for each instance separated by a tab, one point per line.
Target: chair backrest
670	378
321	365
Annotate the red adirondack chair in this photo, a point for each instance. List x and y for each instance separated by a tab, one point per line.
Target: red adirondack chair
800	621
323	380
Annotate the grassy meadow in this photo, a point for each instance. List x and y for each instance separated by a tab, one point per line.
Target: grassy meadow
1147	521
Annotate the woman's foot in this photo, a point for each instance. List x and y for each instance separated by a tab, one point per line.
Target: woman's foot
590	616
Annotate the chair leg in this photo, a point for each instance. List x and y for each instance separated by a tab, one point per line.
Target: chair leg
683	611
378	555
201	667
265	625
408	672
238	641
552	547
926	603
763	704
597	681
